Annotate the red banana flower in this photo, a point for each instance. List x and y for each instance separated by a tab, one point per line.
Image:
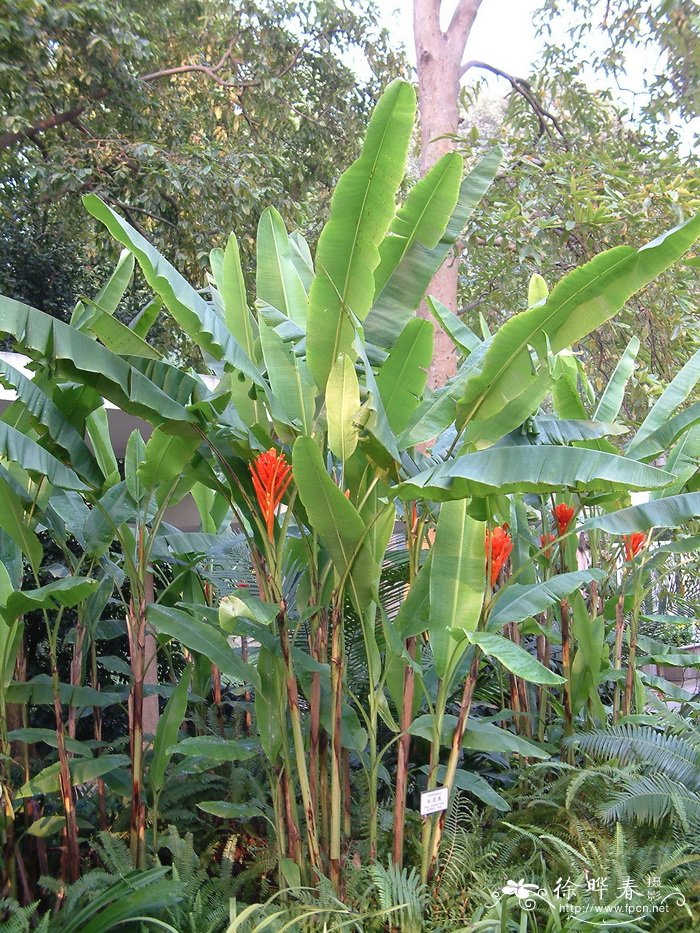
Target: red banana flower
271	476
499	544
634	544
562	516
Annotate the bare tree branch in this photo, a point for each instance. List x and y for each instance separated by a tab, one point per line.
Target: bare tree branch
55	120
211	71
430	10
128	208
545	118
462	22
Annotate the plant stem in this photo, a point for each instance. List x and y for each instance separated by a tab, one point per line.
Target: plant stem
97	734
632	659
137	650
318	647
544	657
455	750
298	735
76	668
619	632
403	757
435	746
566	664
8	872
72	850
347	798
336	741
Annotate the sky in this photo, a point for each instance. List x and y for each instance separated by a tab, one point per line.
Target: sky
504	36
503	33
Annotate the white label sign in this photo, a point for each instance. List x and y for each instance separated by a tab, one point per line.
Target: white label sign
433	801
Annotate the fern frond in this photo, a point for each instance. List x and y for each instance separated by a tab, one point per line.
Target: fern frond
401	892
650	799
628	744
14	918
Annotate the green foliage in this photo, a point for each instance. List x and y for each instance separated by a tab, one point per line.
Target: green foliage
375	601
560	201
89	103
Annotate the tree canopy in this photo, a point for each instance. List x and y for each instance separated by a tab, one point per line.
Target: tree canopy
186	116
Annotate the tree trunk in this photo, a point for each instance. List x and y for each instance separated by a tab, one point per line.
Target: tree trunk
439	57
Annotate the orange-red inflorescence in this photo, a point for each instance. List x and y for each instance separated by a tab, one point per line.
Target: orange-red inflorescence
634	544
562	516
499	543
546	542
271	477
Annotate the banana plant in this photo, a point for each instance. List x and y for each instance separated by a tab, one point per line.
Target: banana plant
313	435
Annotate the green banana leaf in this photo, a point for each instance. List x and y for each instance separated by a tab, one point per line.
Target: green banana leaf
462	337
142	322
302	259
479	736
675	393
82	770
377	438
457	583
581	302
394	306
439	409
560	431
665	435
423	216
337	521
475	784
38	462
214	747
50	421
361	211
503	470
537	290
610	403
197	318
116	336
228	276
277	281
34	735
514	658
202	638
169	723
293	388
683	461
342	408
401	378
13	522
516	602
413	615
671	512
97	429
56	595
113	290
589	659
76	357
166	458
